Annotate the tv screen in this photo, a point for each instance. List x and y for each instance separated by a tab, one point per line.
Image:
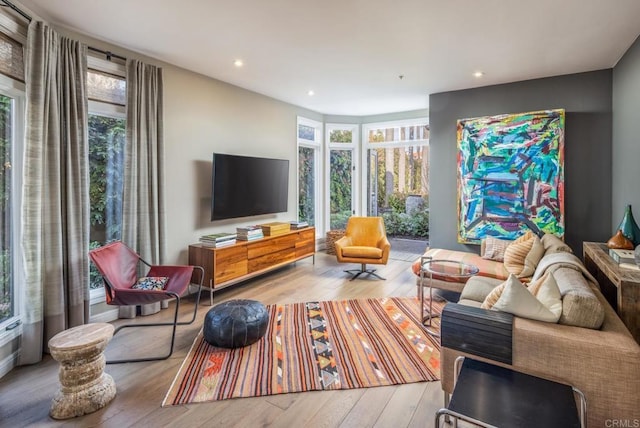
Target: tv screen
244	186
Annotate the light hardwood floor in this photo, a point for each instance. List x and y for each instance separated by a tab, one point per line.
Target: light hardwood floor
26	392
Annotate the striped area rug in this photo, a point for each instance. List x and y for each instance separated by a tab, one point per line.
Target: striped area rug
315	346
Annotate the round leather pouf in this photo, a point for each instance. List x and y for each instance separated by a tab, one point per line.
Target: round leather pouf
235	323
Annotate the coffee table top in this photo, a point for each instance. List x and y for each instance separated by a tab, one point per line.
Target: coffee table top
449	268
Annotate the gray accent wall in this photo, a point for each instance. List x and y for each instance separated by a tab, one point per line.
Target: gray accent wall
625	174
586	98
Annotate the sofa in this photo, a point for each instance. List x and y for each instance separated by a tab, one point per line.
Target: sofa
589	347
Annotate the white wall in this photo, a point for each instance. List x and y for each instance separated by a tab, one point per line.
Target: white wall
203	115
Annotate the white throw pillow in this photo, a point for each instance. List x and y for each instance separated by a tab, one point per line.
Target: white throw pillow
517	300
549	295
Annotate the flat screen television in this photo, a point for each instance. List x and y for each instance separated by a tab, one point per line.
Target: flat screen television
245	186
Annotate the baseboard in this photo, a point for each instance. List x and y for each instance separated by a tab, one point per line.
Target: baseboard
106	316
9	363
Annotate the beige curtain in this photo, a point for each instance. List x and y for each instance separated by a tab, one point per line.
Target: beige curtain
143	201
55	200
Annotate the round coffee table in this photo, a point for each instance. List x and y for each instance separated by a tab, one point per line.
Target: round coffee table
446	269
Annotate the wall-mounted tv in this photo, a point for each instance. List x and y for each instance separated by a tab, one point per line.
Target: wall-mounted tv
245	186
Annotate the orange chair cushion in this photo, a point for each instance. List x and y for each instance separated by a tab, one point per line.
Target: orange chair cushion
362	252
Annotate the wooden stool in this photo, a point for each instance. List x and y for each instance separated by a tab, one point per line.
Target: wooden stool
85	387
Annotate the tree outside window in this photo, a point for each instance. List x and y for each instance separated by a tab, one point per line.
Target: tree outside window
106	163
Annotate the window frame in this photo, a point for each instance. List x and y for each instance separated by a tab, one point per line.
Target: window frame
16	90
115	111
316	145
354	146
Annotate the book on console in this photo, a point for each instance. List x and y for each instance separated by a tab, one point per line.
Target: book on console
218	244
248	229
298	224
622	256
630	266
218	237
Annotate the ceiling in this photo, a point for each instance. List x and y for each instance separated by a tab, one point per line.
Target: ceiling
361	57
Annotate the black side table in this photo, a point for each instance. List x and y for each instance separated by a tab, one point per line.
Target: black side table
493	396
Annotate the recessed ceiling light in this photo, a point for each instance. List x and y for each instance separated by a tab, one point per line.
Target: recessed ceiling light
478	74
311	93
238	63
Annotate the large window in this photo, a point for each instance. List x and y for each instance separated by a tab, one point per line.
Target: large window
397	159
309	134
106	88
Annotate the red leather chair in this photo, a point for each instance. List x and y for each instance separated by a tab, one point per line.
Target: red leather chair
118	265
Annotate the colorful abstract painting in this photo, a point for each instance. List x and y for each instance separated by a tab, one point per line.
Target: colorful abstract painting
511	175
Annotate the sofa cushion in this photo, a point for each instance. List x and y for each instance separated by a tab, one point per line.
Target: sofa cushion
553	244
488	268
517	300
522	256
478	287
494	248
580	306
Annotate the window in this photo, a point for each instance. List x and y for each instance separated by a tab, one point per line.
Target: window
341	172
397	159
309	135
106	88
7	192
11	144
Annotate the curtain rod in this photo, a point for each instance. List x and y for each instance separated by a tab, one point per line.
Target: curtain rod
15	8
107	54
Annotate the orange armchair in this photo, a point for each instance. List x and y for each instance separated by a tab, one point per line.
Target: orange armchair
365	241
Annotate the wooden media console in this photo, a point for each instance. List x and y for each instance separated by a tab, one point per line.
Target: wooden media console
245	259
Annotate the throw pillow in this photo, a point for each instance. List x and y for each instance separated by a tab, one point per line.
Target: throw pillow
493	297
494	248
517	300
151	283
553	244
523	255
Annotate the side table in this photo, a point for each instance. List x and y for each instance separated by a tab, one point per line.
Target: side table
85	387
621	287
492	396
447	269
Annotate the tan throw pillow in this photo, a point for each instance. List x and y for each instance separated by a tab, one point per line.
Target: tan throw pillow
493	297
535	285
523	255
494	248
517	300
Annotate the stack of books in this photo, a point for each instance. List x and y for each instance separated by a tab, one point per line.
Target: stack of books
275	228
218	240
624	258
249	233
295	225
